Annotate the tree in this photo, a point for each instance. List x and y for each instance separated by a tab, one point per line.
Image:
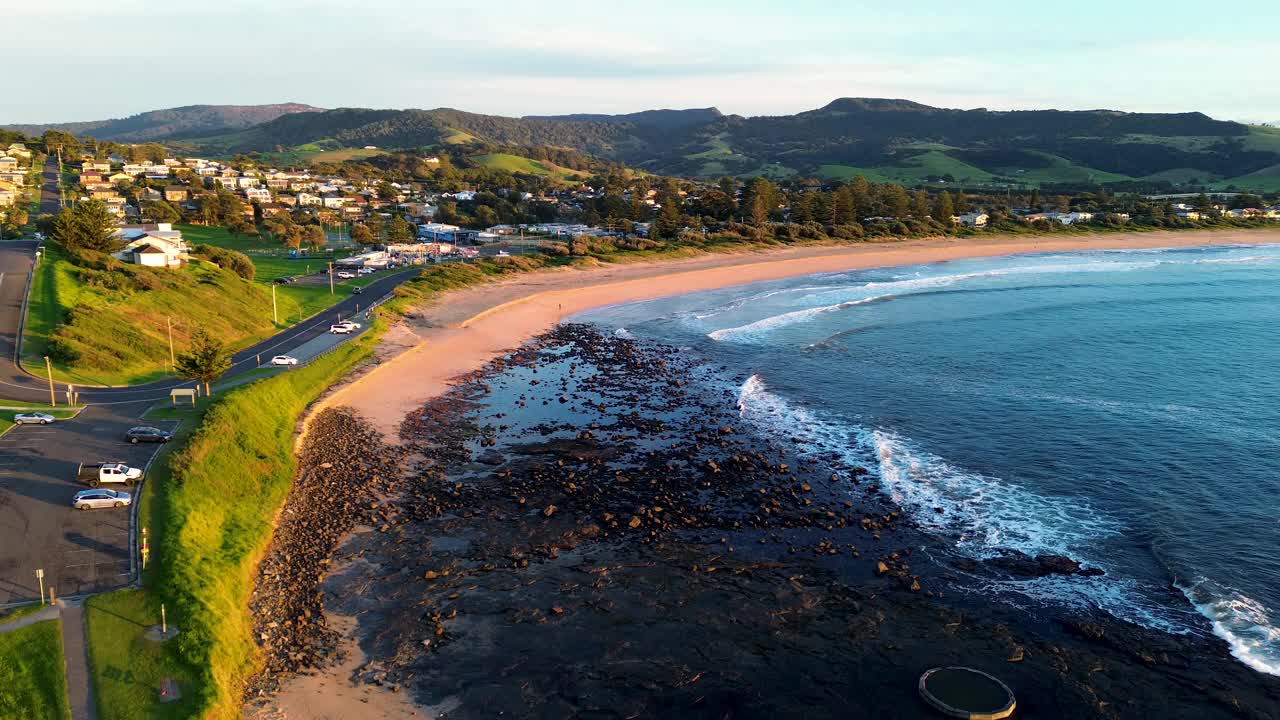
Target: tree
860	191
362	235
668	224
399	231
314	236
943	208
920	207
160	211
204	361
897	202
18	216
87	226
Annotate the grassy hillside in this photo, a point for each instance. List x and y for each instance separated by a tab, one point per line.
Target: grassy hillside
519	164
110	327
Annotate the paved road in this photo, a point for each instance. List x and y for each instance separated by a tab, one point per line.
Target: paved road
50	195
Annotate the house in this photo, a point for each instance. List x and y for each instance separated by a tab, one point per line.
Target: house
18	150
1189	214
176	193
1072	218
132	169
464	195
8	164
305	199
245	181
334	202
257	194
95	166
119	178
16	178
971	219
106	194
153	250
8	197
151	195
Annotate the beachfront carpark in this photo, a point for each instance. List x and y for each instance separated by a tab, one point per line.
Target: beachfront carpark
80	551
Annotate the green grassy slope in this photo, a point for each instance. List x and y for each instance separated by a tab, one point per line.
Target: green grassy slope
115	321
520	164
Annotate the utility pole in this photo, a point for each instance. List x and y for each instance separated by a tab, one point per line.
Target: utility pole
330	278
48	366
275	316
173	364
40	577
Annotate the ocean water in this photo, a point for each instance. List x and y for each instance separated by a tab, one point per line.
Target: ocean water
1118	407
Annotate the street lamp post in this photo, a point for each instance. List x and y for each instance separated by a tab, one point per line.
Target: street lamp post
48	366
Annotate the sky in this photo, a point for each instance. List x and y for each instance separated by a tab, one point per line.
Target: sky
67	60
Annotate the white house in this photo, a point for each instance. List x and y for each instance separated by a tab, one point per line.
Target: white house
305	198
157	245
259	194
8	164
334	202
971	219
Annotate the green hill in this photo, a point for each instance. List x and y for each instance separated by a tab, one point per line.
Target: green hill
110	326
519	164
887	139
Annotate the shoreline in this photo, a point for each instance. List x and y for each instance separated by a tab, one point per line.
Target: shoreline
555	502
460	331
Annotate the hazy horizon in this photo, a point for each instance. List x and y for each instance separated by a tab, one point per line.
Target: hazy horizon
752	58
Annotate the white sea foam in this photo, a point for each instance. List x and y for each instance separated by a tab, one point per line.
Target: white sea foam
623	333
846	297
1246	624
986	515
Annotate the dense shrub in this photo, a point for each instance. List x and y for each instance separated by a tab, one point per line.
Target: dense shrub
236	262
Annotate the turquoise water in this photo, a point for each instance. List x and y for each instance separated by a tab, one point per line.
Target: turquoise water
1119	407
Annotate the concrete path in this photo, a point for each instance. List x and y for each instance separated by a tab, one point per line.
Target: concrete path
79	684
50	612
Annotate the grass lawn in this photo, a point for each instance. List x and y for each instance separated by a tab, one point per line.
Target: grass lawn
127	668
33	681
294	302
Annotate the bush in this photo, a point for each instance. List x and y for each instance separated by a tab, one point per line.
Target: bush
553	248
61	351
236	262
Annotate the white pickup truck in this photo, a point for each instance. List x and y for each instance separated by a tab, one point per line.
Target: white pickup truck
108	472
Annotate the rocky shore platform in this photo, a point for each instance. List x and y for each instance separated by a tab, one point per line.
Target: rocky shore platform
586	529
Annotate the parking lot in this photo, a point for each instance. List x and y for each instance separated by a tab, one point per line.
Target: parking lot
80	550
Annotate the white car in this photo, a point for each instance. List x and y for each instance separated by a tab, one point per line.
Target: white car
365	271
89	499
284	360
33	418
351	324
342	329
345	275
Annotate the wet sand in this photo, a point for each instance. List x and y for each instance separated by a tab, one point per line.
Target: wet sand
460	331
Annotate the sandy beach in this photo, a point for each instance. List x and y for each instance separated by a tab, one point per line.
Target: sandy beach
460	331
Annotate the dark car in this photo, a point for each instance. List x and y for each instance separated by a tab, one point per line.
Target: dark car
356	290
286	279
147	434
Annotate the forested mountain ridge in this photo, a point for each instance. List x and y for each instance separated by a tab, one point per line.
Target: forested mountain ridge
172	123
883	139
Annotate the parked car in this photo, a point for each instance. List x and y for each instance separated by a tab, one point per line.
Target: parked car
33	418
286	279
351	324
89	499
340	329
108	472
365	271
357	291
345	275
147	434
284	360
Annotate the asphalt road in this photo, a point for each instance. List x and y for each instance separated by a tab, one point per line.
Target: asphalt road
50	196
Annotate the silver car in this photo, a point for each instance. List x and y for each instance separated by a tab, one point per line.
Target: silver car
33	418
89	499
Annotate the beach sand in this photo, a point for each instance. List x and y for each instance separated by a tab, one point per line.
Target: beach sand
460	331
